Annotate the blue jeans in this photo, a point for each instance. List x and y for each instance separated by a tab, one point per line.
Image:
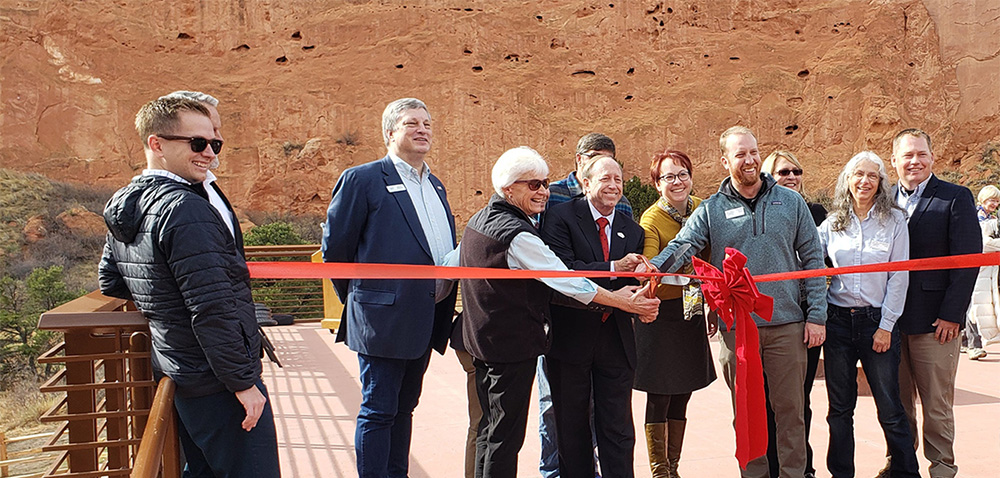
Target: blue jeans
548	465
849	339
390	389
215	443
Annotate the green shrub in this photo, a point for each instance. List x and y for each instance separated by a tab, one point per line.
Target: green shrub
641	196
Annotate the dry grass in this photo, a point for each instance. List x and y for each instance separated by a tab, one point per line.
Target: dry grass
21	406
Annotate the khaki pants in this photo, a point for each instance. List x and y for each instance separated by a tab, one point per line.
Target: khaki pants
927	369
784	358
475	412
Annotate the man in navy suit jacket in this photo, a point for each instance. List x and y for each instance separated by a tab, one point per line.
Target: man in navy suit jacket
593	351
942	222
392	211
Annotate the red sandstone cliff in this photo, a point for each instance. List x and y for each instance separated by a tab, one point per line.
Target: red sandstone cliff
823	78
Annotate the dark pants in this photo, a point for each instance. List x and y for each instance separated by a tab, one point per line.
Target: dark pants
849	339
215	443
504	393
608	378
390	389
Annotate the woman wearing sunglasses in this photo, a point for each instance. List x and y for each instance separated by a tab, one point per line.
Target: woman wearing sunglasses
673	358
865	227
505	323
787	171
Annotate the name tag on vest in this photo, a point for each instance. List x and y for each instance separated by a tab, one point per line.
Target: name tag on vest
735	212
395	188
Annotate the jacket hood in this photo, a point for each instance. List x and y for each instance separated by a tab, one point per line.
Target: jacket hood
124	212
726	190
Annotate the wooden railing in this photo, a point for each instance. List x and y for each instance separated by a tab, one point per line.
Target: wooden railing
21	457
108	386
159	446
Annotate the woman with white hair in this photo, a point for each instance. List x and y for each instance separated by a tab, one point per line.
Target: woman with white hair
984	310
865	227
505	322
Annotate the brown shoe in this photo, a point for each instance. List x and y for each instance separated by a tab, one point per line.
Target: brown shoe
675	439
656	445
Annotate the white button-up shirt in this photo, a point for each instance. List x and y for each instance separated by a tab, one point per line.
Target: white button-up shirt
908	202
868	242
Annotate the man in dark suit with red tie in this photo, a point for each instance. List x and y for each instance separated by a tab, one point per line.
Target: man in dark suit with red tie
593	350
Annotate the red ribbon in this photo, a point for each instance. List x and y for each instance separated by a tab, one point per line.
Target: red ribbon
733	295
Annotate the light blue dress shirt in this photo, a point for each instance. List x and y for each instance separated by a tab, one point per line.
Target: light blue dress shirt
869	241
908	202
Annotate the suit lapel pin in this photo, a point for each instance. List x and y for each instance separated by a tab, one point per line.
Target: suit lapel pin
621	234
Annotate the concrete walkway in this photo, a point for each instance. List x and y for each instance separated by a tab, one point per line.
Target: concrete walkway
316	397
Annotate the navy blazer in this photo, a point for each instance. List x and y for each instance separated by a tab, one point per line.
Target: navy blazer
570	231
944	223
390	318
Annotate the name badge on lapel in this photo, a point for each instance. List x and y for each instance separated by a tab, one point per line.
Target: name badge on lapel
735	212
395	188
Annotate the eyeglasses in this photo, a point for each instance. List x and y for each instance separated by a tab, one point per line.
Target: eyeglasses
681	176
786	172
594	154
198	144
534	184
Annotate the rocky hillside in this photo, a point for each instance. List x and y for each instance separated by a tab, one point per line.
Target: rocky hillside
303	83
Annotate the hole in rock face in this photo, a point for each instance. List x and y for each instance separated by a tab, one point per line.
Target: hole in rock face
628	98
479	193
538	17
184	36
297	36
477	68
243	47
281	59
791	129
798	32
583	73
467	51
630	71
308	47
910	64
399	66
803	73
670	10
734	58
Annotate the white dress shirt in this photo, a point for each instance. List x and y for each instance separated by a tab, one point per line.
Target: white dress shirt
528	252
869	241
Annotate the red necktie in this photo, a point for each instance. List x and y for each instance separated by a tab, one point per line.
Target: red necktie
602	222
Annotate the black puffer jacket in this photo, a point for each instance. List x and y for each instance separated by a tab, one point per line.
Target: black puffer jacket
170	252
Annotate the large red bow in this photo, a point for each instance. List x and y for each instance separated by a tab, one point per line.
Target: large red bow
734	296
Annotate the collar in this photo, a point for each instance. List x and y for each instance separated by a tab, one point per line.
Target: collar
209	178
168	174
573	184
402	166
596	214
916	192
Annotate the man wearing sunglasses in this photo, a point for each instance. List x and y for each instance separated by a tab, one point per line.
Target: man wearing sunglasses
392	211
170	251
215	195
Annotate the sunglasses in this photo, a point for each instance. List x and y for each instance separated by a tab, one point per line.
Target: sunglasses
534	184
786	172
198	144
